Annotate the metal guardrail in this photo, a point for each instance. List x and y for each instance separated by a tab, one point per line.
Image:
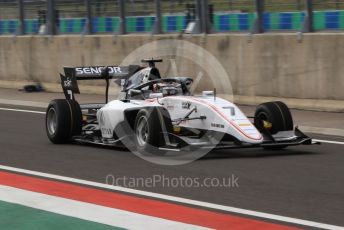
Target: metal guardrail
165	16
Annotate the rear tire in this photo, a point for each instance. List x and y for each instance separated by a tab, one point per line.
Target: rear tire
277	114
63	120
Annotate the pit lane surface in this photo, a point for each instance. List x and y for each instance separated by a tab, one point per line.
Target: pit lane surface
304	182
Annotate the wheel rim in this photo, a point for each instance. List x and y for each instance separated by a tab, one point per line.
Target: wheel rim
142	131
265	121
52	121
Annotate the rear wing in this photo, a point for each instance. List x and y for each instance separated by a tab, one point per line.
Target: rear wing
69	81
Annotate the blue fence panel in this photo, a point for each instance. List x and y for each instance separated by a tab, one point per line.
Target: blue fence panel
332	20
243	21
285	21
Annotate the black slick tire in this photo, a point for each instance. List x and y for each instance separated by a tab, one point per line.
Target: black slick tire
277	114
63	120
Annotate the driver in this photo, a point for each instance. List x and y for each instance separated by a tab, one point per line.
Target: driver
165	88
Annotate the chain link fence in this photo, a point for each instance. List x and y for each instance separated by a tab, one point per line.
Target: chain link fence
232	15
9	15
284	15
35	16
167	16
332	19
177	14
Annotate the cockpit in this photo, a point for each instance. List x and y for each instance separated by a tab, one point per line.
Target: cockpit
148	83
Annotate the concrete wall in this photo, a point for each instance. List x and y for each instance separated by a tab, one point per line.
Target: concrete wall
270	65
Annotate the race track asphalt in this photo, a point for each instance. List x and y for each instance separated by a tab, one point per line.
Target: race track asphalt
305	182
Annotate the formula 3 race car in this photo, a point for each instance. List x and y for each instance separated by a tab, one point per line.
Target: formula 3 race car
154	115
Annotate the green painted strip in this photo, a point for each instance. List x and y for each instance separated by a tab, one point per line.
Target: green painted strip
251	18
29	28
274	21
296	21
77	26
101	25
6	22
180	23
164	23
131	24
319	20
148	24
216	22
341	20
115	23
63	26
14	216
233	22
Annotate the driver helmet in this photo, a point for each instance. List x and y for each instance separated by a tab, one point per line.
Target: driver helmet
169	91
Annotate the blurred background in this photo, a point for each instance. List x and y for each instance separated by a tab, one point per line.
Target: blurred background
168	16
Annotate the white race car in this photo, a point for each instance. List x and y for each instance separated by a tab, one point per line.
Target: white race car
155	114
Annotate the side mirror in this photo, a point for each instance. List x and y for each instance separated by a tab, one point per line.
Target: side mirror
208	93
156	95
134	91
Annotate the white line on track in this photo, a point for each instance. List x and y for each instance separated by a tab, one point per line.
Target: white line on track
22	110
330	142
178	199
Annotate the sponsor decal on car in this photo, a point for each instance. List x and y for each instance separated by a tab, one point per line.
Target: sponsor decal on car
97	70
67	83
106	131
186	105
215	125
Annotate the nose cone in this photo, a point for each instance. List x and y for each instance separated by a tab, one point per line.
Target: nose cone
248	131
239	125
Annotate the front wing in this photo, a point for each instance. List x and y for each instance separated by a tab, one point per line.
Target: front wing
280	139
177	143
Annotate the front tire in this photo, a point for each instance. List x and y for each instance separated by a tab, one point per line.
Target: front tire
63	120
148	128
273	117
